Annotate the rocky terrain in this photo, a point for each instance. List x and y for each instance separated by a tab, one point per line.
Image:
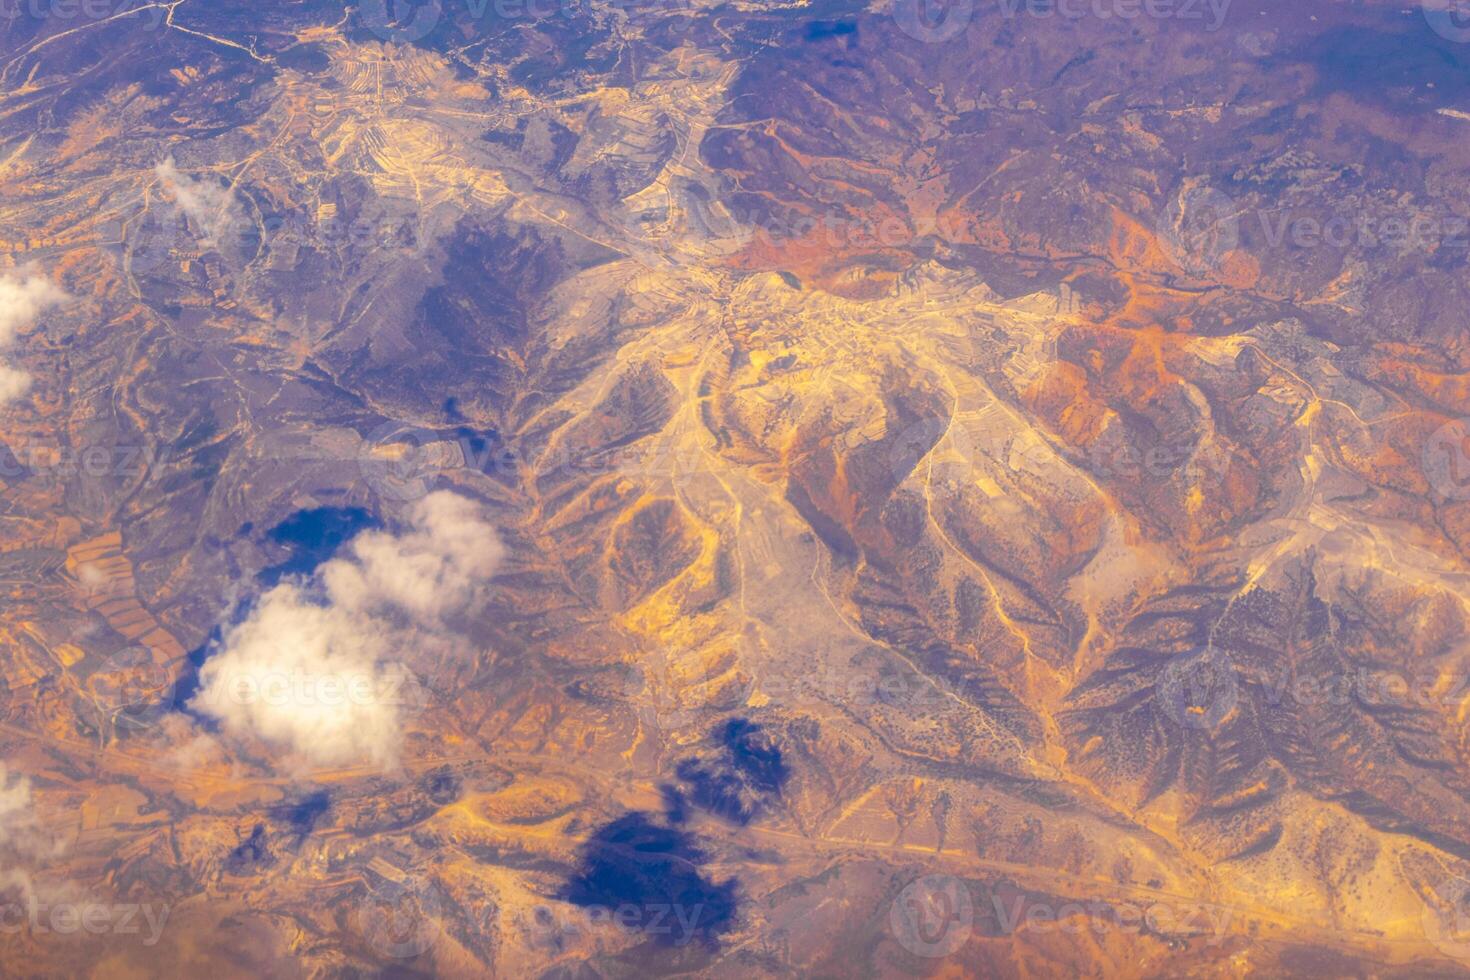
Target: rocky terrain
734	489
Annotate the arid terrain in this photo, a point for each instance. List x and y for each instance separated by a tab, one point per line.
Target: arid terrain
734	489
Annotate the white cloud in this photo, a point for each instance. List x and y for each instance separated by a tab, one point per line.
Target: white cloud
192	749
427	573
24	295
17	820
316	669
207	204
23	842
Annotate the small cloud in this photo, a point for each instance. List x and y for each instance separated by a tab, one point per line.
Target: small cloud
191	749
24	295
24	844
316	667
207	204
17	819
